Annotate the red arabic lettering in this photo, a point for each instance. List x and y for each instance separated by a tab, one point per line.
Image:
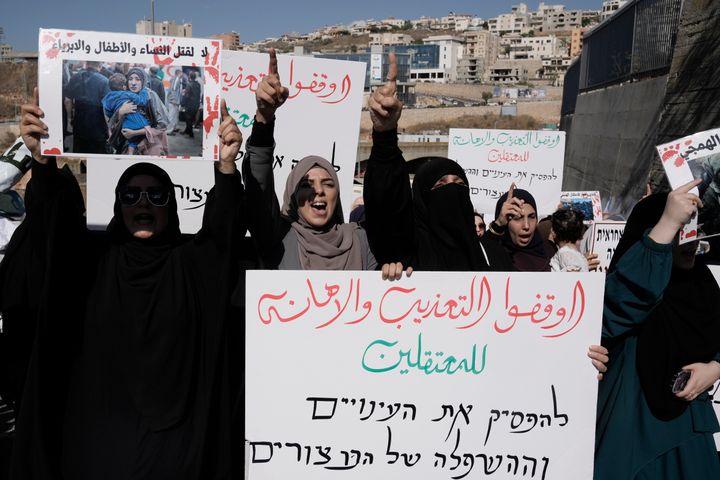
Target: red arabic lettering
267	319
496	156
478	300
539	314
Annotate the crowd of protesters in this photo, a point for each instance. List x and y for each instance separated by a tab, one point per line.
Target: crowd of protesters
142	376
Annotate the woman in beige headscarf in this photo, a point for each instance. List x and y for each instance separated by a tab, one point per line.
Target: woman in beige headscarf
308	233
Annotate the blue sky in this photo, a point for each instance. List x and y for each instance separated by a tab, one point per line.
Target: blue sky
253	20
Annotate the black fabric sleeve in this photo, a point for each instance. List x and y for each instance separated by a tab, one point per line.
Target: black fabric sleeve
266	225
388	202
262	134
224	216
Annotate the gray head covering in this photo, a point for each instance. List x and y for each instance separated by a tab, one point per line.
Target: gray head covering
140	73
335	246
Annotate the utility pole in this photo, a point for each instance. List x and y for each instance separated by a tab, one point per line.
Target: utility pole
152	16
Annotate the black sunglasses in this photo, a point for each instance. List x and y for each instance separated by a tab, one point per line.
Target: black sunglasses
157	196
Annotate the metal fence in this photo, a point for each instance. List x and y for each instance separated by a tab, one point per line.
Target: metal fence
570	88
636	41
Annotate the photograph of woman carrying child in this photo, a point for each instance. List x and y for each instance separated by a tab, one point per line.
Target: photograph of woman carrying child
120	109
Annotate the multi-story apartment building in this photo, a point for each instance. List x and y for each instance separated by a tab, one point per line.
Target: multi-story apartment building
387	38
165	27
451	51
534	48
514	23
482	44
563	20
231	40
576	41
609	7
393	22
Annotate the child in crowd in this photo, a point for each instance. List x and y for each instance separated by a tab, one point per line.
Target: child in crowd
134	123
567	229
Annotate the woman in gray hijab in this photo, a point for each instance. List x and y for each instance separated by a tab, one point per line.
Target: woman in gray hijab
308	233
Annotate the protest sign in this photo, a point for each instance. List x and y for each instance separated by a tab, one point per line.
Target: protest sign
587	202
606	236
494	159
320	117
192	180
692	157
81	85
441	375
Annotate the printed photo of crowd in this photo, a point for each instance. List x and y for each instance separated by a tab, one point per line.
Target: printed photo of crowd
132	109
707	168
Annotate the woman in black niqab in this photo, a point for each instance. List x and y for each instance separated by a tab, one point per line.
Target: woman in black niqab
444	216
148	392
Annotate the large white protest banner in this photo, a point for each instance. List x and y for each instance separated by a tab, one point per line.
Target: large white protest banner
605	238
192	181
321	116
690	158
494	159
75	64
442	375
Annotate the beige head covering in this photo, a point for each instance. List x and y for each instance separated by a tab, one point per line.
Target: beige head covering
335	245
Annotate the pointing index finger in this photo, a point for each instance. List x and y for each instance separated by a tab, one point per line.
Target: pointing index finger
392	68
689	186
511	191
273	66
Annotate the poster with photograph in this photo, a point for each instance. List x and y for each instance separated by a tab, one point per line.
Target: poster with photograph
192	182
444	375
116	94
495	159
320	117
587	202
690	157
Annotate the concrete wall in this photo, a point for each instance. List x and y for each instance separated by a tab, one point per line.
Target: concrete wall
613	132
611	140
411	150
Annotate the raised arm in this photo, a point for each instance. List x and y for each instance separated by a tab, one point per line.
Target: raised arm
636	284
387	195
224	215
264	220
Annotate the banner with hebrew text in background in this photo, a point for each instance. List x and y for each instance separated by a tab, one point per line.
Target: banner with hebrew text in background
441	375
494	159
605	238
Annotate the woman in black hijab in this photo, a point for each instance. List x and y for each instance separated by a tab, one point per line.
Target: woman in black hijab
432	228
139	348
660	319
515	227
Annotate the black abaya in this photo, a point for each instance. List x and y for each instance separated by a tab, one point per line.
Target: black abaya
149	393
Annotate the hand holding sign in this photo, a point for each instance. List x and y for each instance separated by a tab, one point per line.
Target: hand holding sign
385	108
230	141
680	207
32	128
270	94
511	208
